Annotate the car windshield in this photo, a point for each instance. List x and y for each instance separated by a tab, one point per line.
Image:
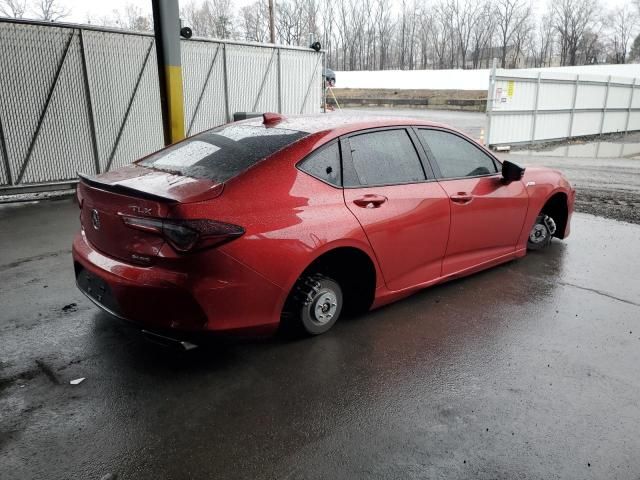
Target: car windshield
223	152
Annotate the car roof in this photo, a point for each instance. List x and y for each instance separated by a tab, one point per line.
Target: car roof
341	122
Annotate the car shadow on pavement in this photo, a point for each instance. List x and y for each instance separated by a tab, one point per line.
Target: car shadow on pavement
482	296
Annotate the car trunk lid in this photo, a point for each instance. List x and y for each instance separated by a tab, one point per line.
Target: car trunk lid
137	192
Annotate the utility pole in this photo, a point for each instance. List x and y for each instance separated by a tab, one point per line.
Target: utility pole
166	25
272	29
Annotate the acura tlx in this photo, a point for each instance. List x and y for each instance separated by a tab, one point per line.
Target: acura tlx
301	220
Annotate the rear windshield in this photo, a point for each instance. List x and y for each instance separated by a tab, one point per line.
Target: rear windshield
223	152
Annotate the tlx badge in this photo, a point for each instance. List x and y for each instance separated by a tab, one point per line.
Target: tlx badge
138	209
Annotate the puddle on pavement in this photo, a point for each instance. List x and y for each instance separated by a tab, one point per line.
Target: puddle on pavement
587	150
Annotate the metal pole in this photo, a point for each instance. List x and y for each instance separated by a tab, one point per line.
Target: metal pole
323	84
279	82
490	99
604	107
573	105
166	24
225	79
535	109
633	91
272	30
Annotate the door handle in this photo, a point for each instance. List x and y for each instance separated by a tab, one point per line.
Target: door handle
462	198
370	201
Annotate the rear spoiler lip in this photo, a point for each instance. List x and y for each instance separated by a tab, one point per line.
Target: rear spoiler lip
116	188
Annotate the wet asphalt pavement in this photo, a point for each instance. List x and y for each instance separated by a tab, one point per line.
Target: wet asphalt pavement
472	123
527	370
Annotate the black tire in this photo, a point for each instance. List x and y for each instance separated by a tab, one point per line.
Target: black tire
540	235
315	304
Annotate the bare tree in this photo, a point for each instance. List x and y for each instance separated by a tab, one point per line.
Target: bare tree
522	38
544	41
442	36
344	32
407	34
572	19
511	17
292	22
407	25
311	10
210	18
623	21
254	22
369	43
385	31
13	8
634	54
591	48
50	10
466	14
135	18
425	23
482	34
328	33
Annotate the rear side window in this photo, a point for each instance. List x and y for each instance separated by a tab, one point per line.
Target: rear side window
385	157
455	156
222	153
324	164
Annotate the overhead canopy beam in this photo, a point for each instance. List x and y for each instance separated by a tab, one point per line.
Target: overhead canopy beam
166	25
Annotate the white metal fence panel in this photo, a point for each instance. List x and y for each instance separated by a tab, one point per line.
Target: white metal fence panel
121	73
549	125
29	104
253	69
555	96
532	106
203	85
84	99
302	95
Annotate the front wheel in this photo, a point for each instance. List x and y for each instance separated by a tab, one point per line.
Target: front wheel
541	233
315	303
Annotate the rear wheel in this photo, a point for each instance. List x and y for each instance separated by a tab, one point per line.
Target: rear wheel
541	233
315	304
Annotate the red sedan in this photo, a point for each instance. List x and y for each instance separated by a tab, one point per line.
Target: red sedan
303	219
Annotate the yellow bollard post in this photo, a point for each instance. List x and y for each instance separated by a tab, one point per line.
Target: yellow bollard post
166	24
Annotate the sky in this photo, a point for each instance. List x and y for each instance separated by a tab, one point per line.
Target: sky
82	9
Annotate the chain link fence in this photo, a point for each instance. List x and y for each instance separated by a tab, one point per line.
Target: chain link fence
75	98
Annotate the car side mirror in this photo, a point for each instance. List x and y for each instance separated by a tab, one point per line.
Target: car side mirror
511	172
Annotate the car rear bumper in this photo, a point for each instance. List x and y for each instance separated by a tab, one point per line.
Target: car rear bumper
231	299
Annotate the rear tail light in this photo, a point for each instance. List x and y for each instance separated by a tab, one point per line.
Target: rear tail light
187	235
181	237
